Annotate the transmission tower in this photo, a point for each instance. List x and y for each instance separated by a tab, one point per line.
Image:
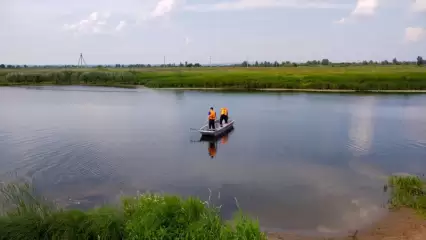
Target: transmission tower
81	61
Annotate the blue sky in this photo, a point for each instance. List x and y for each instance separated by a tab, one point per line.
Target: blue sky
143	31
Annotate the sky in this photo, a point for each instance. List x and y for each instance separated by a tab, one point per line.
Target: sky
228	31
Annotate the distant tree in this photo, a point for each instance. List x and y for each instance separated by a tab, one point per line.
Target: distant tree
420	61
276	64
325	62
2	66
395	61
294	64
197	65
189	65
117	65
181	65
244	64
371	62
364	62
256	64
385	62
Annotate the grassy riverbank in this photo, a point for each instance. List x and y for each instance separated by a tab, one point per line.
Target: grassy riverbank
357	78
146	216
409	192
151	216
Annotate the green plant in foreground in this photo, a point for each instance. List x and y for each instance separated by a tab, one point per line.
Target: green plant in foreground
170	217
408	191
147	216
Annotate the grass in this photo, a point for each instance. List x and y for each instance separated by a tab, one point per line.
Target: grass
408	191
358	78
147	216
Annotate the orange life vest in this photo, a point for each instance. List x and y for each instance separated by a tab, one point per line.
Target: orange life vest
212	115
224	111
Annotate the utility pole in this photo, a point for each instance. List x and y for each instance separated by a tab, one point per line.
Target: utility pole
164	61
81	61
210	61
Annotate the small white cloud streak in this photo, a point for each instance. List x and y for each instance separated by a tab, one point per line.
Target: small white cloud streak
341	21
121	25
254	4
415	34
95	23
187	40
419	6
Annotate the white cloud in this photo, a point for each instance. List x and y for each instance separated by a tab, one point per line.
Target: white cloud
121	25
366	7
362	8
163	7
419	5
96	23
415	34
252	4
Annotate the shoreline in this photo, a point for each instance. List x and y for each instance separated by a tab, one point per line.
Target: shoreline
276	90
288	90
404	224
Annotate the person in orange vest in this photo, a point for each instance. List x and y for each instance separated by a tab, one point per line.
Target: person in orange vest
223	115
212	119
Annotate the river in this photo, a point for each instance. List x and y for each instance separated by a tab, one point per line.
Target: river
298	162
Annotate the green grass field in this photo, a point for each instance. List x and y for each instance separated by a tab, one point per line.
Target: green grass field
359	78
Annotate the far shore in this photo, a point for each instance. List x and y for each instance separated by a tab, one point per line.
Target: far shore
226	89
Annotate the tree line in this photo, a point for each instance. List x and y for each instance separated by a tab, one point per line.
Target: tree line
324	62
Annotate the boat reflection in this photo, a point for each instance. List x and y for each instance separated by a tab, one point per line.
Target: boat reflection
214	142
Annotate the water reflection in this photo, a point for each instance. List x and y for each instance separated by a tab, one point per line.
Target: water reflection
214	142
362	126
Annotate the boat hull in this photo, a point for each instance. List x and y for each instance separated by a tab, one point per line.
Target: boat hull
205	131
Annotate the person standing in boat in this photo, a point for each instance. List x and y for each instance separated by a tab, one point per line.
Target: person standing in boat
212	119
223	115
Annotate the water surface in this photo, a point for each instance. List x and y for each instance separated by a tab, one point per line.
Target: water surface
298	162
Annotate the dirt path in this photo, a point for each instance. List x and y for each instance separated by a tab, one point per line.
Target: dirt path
402	224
